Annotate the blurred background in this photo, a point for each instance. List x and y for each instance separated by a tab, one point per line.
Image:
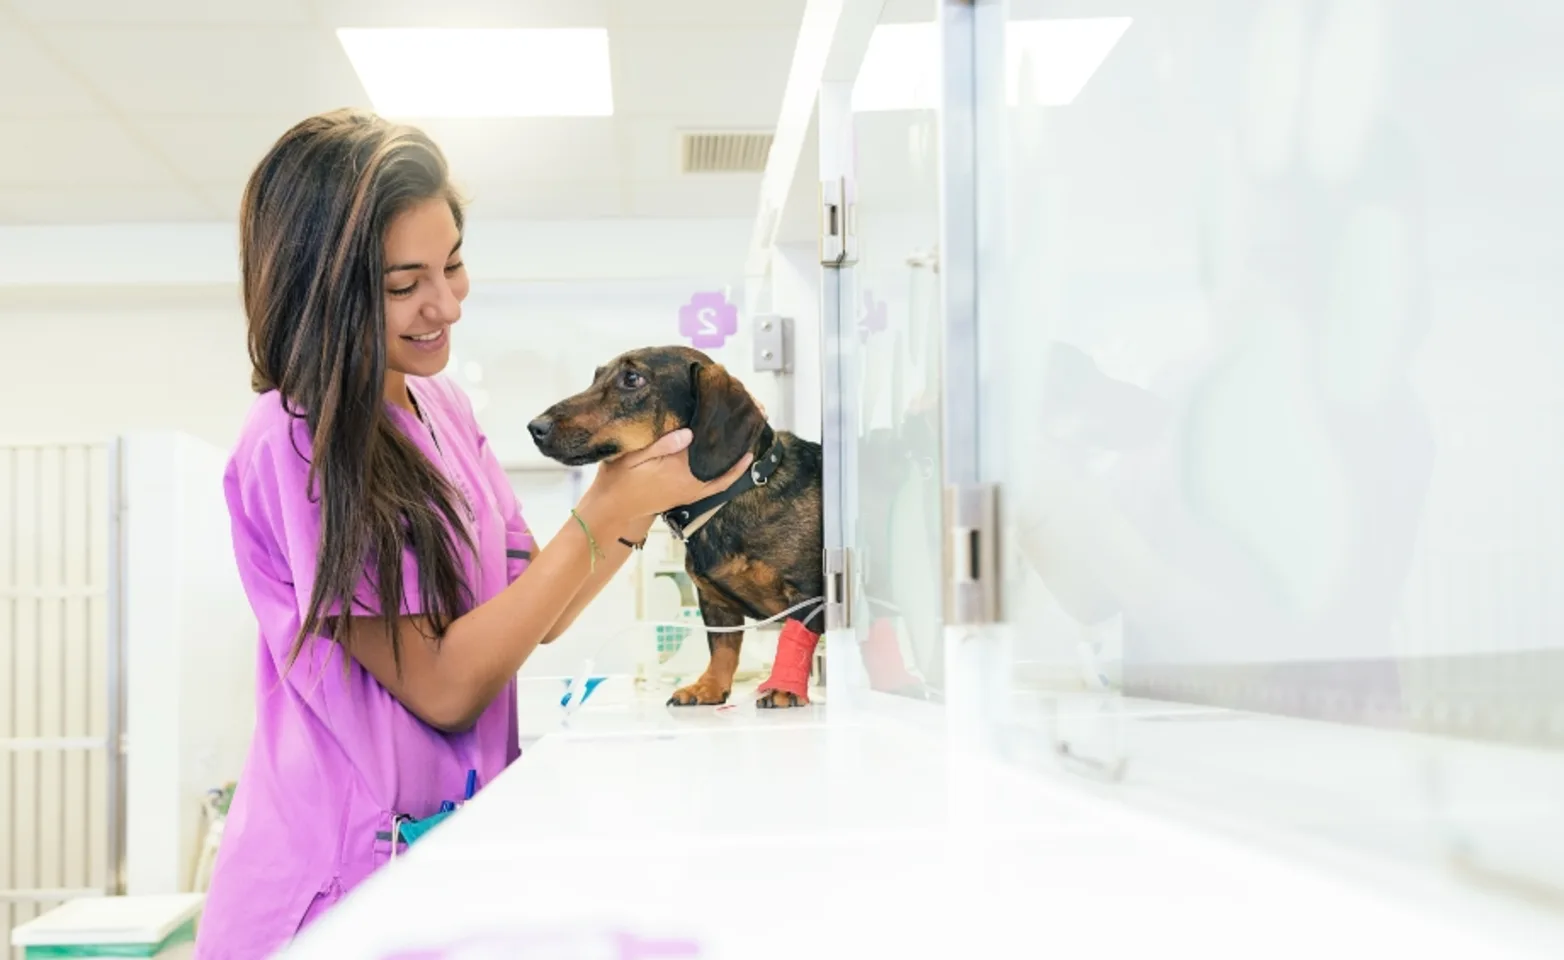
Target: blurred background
1190	376
613	174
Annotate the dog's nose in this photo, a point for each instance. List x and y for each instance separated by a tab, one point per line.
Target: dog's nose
540	429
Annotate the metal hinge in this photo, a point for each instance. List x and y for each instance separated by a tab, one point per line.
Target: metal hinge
838	229
773	343
972	555
838	588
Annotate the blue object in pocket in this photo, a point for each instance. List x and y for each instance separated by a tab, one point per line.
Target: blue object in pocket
412	831
408	831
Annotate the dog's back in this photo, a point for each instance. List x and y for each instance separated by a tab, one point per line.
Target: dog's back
762	551
758	556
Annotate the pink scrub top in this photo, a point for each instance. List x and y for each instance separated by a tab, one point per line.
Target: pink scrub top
334	755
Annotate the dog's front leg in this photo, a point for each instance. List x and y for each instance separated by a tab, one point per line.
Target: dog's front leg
716	683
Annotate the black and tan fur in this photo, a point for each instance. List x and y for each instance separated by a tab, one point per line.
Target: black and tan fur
761	553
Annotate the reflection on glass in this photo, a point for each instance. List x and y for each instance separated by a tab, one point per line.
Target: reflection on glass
895	358
1283	391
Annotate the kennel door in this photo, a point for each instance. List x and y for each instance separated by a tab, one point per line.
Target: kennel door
890	340
1279	413
60	786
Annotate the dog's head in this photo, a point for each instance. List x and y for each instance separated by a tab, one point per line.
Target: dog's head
644	394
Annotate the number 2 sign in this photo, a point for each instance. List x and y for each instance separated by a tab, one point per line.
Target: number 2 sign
708	320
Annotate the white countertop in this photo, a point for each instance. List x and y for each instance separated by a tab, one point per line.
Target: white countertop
776	834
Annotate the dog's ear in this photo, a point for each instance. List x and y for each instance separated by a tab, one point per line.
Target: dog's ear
726	421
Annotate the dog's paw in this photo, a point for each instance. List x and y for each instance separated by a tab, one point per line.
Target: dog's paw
704	692
780	700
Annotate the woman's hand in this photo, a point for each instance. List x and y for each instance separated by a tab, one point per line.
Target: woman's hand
654	480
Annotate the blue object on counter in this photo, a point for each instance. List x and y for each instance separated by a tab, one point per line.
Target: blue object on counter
586	691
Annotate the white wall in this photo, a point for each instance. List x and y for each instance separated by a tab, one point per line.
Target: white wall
186	255
795	292
190	652
99	364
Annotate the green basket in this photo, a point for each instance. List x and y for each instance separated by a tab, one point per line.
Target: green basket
182	934
670	637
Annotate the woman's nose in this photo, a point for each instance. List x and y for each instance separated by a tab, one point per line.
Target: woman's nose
446	307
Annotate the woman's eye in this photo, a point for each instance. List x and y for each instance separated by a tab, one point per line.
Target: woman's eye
453	267
403	291
631	380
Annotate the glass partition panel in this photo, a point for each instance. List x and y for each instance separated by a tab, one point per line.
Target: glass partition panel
1272	305
893	356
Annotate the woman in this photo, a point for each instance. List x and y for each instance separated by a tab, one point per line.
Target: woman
393	578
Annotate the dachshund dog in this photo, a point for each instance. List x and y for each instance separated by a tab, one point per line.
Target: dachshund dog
760	552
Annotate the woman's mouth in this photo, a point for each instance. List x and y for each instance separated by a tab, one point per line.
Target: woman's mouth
433	340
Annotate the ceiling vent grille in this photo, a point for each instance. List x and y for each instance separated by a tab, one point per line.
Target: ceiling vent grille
716	152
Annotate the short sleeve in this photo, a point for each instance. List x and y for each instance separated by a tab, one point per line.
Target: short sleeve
277	524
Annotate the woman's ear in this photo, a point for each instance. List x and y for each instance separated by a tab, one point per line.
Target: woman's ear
726	422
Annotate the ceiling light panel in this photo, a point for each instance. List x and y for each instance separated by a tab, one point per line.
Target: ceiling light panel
470	73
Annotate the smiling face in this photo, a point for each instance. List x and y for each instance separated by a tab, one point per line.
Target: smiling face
425	283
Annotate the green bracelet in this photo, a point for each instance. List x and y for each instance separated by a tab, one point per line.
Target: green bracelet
591	541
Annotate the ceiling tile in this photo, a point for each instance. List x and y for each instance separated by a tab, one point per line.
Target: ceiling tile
214	71
907	11
163	11
216	149
32	83
727	76
697	13
463	13
652	146
22	206
70	151
483	152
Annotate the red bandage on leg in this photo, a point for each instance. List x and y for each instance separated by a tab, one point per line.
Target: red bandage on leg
795	655
882	658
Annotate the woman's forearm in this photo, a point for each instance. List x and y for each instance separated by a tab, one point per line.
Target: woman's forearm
450	680
616	553
449	683
503	632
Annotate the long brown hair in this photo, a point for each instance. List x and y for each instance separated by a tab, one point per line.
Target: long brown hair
312	230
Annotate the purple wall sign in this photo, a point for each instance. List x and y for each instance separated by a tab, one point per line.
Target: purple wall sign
708	320
875	317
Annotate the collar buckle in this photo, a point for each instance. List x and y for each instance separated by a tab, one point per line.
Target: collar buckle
676	519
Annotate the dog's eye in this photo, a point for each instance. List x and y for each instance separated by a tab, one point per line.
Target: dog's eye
631	380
